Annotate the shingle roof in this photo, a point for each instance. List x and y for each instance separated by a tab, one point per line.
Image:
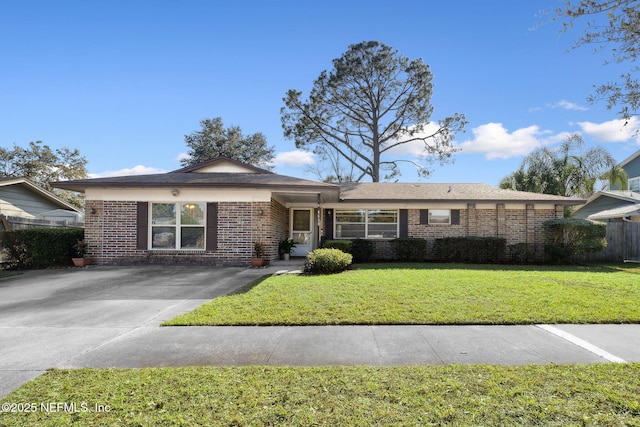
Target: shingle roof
403	192
349	192
191	179
621	212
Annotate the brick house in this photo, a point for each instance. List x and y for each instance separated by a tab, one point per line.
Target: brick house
212	213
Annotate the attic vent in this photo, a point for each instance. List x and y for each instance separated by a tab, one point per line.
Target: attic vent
449	190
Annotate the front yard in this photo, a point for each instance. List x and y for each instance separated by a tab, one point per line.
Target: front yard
534	395
433	294
530	395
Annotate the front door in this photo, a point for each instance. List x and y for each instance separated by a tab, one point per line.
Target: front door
302	231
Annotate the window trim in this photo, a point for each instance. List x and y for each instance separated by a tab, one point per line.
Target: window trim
177	226
365	223
430	214
635	178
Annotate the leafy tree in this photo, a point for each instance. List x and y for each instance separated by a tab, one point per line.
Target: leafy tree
373	101
563	171
42	165
214	140
613	25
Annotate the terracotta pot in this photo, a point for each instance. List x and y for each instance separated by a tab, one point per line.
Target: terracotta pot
257	262
81	262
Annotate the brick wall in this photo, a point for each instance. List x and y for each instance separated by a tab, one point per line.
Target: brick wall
515	225
279	225
111	233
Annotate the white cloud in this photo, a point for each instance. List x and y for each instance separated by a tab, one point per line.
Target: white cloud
567	105
416	148
563	103
136	170
182	156
293	158
495	141
613	130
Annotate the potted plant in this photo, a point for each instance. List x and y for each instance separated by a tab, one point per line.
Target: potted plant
284	248
258	252
81	259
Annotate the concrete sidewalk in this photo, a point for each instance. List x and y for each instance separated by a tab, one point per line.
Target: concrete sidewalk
365	345
110	317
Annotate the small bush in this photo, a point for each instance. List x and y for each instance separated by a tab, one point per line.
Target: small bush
566	237
477	250
327	261
343	245
362	250
40	247
409	248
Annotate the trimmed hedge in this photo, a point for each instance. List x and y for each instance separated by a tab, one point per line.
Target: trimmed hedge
362	250
327	261
409	248
565	237
343	245
477	250
40	247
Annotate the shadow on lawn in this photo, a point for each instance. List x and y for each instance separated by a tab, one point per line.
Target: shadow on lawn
252	284
592	268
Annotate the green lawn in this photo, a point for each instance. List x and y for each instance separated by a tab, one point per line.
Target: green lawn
433	294
533	395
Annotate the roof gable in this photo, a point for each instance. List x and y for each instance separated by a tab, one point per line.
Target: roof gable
221	165
40	192
631	165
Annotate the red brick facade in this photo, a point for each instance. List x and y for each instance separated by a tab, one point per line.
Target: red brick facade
111	231
514	225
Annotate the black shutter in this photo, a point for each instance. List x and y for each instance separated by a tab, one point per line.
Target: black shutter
328	224
424	216
404	223
142	225
212	227
455	216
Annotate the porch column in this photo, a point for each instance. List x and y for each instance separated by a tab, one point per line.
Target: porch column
531	226
472	220
500	220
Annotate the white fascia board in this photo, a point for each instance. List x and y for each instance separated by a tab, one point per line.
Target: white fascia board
182	195
435	205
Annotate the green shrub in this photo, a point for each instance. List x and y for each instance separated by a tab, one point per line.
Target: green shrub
409	248
327	261
40	247
565	237
343	245
362	250
477	250
523	252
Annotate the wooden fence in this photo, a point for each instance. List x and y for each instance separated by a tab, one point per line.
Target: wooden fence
19	223
623	244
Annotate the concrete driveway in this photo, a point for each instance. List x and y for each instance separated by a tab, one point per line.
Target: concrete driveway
47	317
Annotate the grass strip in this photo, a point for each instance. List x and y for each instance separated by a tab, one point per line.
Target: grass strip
446	294
549	395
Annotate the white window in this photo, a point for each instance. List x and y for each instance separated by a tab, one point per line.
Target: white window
634	184
439	216
177	225
366	224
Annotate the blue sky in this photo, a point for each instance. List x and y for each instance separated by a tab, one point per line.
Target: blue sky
124	81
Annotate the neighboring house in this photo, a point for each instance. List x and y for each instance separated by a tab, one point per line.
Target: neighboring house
24	200
212	213
610	205
616	205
